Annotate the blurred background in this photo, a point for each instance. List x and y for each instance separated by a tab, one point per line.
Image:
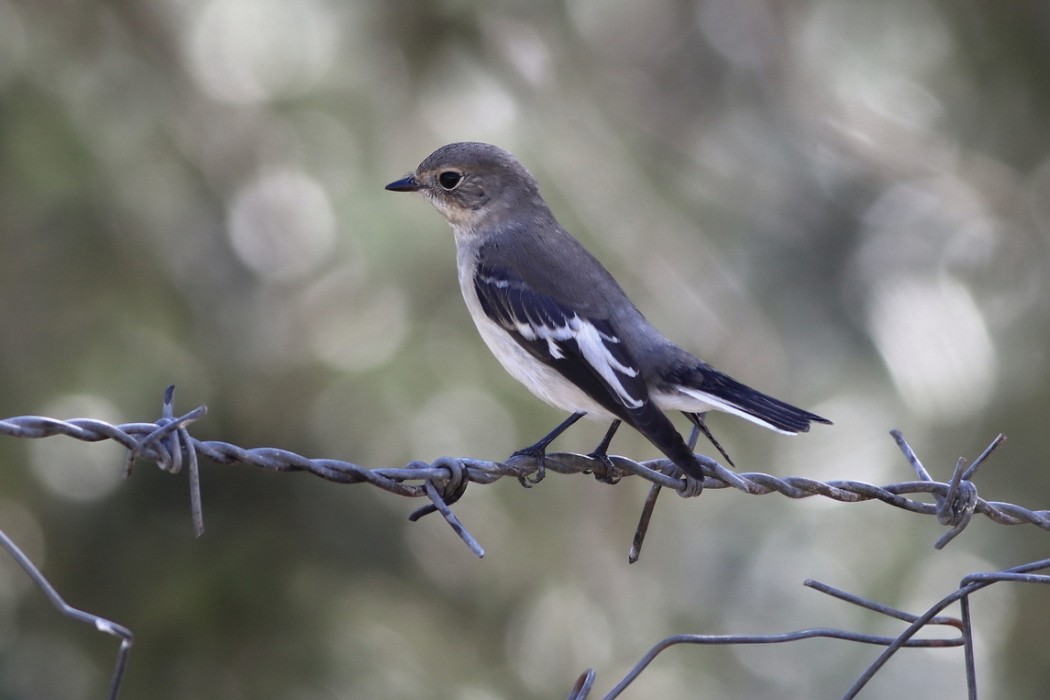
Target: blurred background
844	204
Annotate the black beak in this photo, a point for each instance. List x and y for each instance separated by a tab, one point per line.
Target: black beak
405	184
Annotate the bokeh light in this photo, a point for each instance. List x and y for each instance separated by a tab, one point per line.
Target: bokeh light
844	204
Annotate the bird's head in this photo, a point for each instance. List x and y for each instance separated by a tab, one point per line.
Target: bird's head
472	184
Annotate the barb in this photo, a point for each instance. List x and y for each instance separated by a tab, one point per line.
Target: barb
956	507
650	504
168	443
100	623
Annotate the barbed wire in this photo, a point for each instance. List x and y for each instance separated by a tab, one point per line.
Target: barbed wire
167	443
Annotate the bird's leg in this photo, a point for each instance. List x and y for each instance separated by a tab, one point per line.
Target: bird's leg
539	450
601	453
697	419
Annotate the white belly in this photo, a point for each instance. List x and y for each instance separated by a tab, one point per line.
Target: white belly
545	383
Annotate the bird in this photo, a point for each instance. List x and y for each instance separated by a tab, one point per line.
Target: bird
559	323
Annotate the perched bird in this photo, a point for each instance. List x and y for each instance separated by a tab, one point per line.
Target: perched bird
560	324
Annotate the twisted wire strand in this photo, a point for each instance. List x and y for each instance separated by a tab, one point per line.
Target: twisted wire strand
168	443
410	480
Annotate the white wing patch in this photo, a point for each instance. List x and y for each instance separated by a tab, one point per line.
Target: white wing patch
552	334
550	329
592	344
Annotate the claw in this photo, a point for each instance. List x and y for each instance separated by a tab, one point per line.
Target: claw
540	455
607	475
539	450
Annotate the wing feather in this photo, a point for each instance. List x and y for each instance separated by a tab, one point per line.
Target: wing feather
586	351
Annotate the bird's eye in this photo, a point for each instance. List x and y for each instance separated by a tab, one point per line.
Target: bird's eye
449	179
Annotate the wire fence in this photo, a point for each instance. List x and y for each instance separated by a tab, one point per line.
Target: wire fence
970	585
167	443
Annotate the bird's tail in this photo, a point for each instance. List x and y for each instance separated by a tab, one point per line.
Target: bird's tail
724	393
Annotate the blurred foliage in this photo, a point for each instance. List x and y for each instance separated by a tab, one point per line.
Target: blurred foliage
843	203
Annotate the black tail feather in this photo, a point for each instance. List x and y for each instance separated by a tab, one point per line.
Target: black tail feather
777	413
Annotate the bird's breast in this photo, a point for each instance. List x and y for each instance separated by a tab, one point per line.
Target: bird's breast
545	382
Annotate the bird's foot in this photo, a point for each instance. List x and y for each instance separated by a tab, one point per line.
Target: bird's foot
538	453
608	473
